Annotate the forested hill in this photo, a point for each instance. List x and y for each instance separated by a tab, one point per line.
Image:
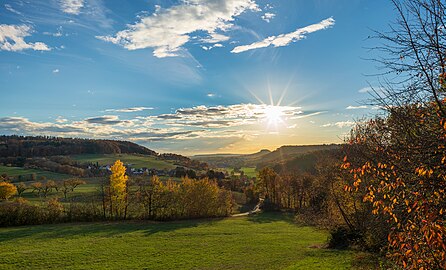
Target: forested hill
42	146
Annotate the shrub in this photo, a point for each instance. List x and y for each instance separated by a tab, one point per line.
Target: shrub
342	237
7	190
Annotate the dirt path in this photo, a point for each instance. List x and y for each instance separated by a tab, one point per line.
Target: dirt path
253	211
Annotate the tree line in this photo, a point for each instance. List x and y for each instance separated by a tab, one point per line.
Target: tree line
117	197
42	146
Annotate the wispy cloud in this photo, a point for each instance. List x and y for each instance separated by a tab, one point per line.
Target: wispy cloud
104	120
226	116
12	38
341	124
8	7
209	127
361	107
71	6
371	89
286	39
167	30
129	110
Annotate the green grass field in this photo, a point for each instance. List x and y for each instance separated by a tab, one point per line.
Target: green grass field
266	241
249	171
137	161
16	171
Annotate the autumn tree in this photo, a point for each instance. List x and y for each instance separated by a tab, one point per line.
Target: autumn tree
266	185
21	187
398	161
118	190
149	194
37	187
7	190
400	169
48	187
69	186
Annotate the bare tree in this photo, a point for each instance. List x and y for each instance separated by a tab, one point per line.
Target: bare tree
414	55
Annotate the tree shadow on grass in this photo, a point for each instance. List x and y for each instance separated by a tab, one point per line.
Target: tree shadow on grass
269	217
100	229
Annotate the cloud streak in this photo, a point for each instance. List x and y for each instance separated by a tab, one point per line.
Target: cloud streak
130	110
226	116
341	124
286	39
361	107
72	6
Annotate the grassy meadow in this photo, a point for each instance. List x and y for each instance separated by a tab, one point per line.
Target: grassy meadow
137	161
249	171
16	171
265	241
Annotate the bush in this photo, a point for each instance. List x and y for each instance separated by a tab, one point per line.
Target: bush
342	237
7	190
84	212
20	213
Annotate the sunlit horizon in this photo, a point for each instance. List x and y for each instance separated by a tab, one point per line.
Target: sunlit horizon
247	75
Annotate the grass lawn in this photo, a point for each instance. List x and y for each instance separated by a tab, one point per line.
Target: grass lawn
16	171
82	191
137	161
249	171
266	241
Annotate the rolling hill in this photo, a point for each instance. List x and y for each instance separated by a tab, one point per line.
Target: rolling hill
28	155
261	158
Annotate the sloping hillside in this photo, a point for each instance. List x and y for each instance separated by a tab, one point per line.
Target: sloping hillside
288	152
42	146
262	158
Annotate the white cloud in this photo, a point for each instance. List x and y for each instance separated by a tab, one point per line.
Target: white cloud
211	95
356	107
371	89
286	39
128	110
208	48
268	16
56	70
72	6
12	38
226	116
167	30
61	119
107	127
342	124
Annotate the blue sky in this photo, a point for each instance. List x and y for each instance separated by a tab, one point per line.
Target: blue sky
197	76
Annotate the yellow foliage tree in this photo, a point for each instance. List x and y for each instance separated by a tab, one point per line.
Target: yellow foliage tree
7	190
118	190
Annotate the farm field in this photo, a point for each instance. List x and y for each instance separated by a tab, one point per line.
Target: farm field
249	171
16	171
137	161
266	241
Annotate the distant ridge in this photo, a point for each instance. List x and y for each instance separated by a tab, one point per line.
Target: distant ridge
42	146
262	157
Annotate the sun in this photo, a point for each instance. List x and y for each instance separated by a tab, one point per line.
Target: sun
274	114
